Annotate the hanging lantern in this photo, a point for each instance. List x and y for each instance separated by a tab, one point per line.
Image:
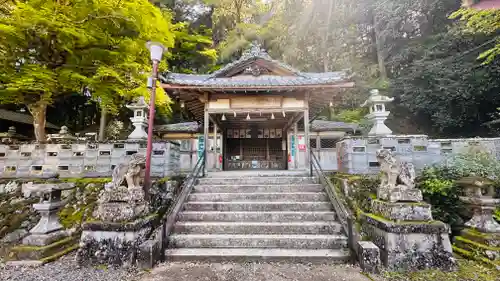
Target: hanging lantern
223	117
272	116
248	116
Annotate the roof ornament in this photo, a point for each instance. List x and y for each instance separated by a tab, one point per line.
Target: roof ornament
255	50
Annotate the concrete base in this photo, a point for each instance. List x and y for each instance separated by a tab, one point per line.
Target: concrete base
368	257
113	243
410	245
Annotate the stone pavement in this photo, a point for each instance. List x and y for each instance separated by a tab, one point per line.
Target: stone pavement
185	271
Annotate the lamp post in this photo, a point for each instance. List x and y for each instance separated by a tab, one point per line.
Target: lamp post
156	51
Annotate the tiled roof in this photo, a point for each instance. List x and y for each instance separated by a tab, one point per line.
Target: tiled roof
220	78
187	127
21	118
263	80
321	126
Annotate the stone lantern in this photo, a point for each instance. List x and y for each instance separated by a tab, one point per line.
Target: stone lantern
376	103
482	233
483	205
140	119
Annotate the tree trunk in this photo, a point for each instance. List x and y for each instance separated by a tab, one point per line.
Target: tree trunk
39	112
380	48
102	124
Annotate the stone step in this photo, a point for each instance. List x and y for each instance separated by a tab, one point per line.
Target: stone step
256	254
256	216
256	206
257	241
256	180
305	227
261	196
238	188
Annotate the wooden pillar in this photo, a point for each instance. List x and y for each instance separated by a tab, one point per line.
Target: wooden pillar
205	136
307	157
296	148
216	155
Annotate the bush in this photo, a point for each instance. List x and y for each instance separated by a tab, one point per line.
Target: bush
439	189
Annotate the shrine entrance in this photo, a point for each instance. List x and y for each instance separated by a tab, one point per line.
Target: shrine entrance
259	146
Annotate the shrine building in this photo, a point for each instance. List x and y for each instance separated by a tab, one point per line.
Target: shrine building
252	110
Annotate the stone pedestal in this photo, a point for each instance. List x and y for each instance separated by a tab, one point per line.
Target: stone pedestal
399	193
114	243
410	245
402	211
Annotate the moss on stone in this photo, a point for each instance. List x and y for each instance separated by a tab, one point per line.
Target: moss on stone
476	245
473	256
60	254
379	218
467	271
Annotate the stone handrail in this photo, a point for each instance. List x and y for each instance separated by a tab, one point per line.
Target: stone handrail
186	188
343	213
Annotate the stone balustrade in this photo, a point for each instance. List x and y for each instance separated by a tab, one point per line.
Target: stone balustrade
357	154
83	159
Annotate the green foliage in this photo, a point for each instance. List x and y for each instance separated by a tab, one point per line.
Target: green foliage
52	49
482	21
439	190
434	81
438	183
467	271
192	52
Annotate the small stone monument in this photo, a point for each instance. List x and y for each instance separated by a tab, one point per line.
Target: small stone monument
48	229
376	103
11	136
64	136
401	225
123	218
482	234
47	238
140	120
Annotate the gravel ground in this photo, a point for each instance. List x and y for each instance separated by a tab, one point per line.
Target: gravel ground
253	271
65	269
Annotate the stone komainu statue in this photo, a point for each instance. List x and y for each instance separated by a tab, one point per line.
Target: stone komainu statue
130	173
397	179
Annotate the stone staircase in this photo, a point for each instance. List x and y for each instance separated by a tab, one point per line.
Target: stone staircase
245	216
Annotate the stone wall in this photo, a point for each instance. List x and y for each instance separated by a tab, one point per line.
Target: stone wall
83	159
357	154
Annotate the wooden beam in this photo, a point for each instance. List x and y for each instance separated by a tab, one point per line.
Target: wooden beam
255	110
292	121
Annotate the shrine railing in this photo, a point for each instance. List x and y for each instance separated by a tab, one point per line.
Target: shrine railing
343	213
178	201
